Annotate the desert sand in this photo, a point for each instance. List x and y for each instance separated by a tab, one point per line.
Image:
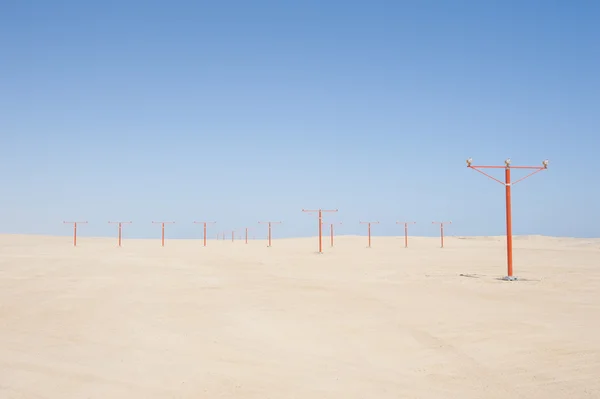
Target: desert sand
246	321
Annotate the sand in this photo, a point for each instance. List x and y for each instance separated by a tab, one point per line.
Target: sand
246	321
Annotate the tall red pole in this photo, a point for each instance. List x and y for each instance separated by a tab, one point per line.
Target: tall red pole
369	230
442	230
204	225
320	213
75	231
162	236
405	232
509	246
120	227
269	223
246	235
508	185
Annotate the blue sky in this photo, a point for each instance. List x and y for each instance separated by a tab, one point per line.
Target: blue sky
240	111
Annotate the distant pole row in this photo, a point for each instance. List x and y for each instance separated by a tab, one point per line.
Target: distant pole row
269	235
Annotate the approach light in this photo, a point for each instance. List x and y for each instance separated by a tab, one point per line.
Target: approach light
507	162
545	163
469	162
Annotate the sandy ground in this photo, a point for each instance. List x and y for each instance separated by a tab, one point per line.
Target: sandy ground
246	321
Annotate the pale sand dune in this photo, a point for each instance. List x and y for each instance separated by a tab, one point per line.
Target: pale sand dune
246	321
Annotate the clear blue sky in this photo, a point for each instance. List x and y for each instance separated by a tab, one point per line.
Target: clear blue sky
239	111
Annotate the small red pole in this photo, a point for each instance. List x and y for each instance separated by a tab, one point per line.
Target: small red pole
369	230
120	228
331	231
246	235
508	185
162	236
75	231
206	223
405	232
320	213
442	230
269	223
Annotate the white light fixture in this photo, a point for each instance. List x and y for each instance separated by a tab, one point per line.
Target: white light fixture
507	162
469	161
545	163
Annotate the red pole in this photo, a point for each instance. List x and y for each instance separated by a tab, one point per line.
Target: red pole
269	223
442	230
331	230
508	185
120	230
369	230
246	235
162	236
405	232
320	231
75	231
509	246
320	213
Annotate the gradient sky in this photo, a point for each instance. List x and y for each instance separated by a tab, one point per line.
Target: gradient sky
240	111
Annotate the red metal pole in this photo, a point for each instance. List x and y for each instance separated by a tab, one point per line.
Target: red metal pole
162	236
509	246
75	230
405	232
320	231
269	223
320	214
442	230
331	230
369	230
120	230
508	185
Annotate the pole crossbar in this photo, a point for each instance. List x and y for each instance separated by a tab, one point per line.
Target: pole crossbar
320	213
508	185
